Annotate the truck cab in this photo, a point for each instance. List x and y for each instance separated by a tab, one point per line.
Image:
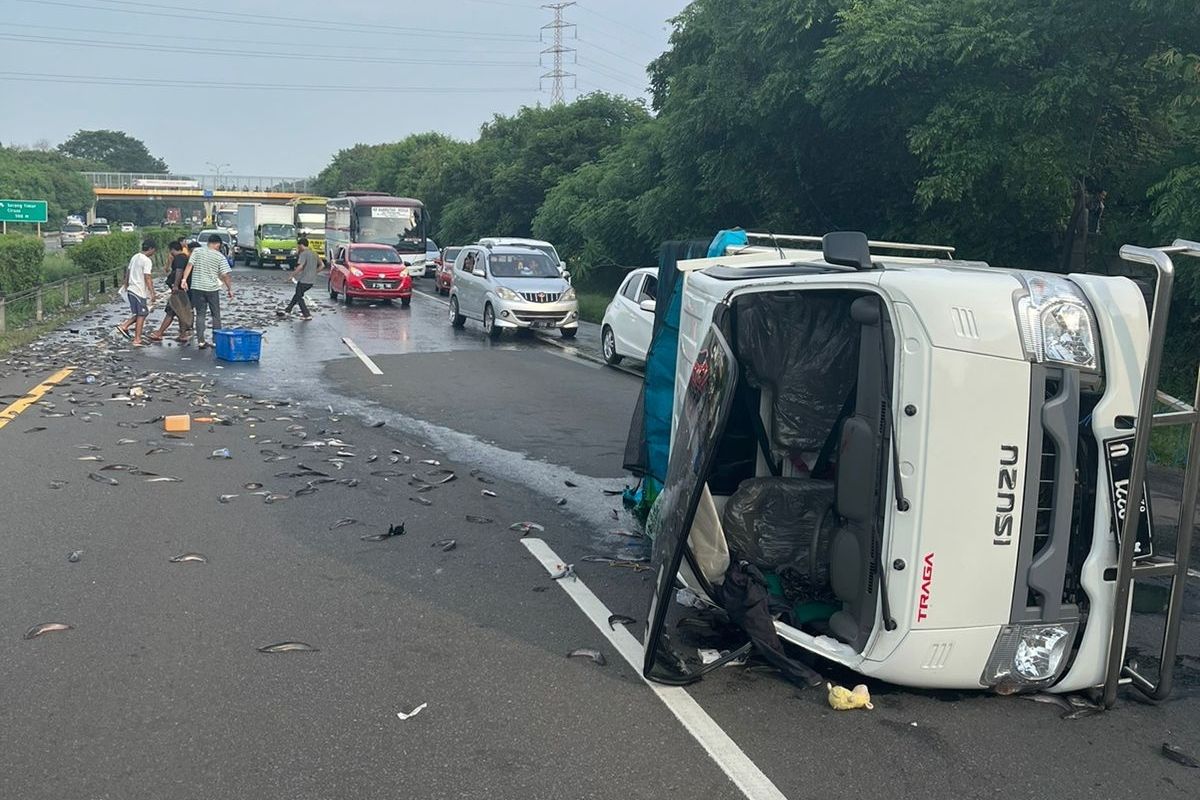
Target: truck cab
928	458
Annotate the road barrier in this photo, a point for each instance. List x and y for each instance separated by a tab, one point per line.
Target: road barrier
50	300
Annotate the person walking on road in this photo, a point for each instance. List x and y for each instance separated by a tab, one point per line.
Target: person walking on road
308	266
206	270
179	305
139	289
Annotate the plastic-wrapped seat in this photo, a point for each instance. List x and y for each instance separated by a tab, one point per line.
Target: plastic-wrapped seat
783	524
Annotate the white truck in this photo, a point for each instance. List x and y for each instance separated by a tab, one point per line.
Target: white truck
266	235
940	451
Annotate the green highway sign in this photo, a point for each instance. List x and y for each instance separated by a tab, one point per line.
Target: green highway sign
22	210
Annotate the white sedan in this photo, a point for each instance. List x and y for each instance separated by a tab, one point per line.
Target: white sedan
629	318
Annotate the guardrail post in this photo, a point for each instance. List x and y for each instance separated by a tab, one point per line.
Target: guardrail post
87	295
38	313
2	320
67	293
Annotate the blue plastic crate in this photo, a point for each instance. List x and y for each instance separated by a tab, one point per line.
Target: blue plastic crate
237	344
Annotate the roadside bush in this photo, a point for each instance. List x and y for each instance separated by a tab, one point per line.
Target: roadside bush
105	253
163	237
20	262
56	266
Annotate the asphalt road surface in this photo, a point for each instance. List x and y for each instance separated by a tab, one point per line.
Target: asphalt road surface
159	690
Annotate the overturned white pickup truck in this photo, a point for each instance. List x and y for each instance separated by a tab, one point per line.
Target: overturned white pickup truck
938	451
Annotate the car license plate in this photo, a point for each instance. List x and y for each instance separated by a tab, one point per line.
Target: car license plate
542	323
1119	455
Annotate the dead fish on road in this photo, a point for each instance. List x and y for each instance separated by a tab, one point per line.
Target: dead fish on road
351	482
487	493
570	485
74	556
164	479
588	652
393	530
447	479
89	458
479	520
613	619
91	447
526	527
412	713
378	424
289	647
225	498
562	501
307	490
1179	757
188	558
251	486
102	479
157	450
126	441
433	462
118	468
275	498
274	459
36	429
56	484
446	544
46	627
343	522
422	500
371	459
387	473
566	572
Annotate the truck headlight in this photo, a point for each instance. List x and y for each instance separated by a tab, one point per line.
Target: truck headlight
1027	656
292	252
266	251
504	293
1056	322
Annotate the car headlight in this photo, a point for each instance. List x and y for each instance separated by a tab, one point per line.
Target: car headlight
1027	656
504	293
266	251
569	294
1056	322
356	272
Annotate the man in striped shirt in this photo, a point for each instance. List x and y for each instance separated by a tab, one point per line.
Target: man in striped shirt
207	269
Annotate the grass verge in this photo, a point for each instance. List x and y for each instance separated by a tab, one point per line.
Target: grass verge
592	305
23	335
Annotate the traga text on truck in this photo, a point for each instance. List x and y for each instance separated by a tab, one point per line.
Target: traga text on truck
309	219
938	466
377	218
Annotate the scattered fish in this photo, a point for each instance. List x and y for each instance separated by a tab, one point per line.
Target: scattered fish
345	454
446	545
526	527
102	479
118	468
225	498
188	558
387	473
221	452
307	490
371	459
74	556
36	429
613	619
422	500
157	450
1170	751
289	647
570	485
415	711
126	441
275	498
562	501
46	627
89	458
393	530
54	415
378	424
91	447
251	486
613	492
588	652
567	571
478	520
275	459
351	482
164	479
343	522
393	459
487	493
612	512
57	484
447	479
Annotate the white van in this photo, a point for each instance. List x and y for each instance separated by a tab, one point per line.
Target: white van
939	450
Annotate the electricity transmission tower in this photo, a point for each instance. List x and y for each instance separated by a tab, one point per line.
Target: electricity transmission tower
557	50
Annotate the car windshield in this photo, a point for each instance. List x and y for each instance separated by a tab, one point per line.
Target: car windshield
373	255
430	246
279	231
450	254
523	265
402	227
98	228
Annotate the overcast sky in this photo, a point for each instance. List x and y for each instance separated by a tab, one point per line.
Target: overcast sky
172	72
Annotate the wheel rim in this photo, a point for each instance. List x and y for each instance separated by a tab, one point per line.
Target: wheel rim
609	349
489	319
453	309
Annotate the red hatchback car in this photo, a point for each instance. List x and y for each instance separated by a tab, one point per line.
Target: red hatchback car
369	272
444	275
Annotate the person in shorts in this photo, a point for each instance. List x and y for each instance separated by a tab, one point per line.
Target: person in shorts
139	289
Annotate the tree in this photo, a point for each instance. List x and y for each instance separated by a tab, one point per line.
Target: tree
351	168
45	175
115	150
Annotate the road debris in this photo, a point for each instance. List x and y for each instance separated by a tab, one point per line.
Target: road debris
289	647
446	545
1170	751
251	486
487	493
188	558
164	479
613	619
74	556
425	501
225	498
343	522
843	699
103	479
565	571
527	527
478	520
412	713
588	652
392	531
222	452
46	627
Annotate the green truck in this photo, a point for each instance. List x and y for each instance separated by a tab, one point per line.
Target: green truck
266	235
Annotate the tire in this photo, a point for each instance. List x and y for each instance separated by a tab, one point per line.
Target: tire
332	293
568	333
405	302
457	320
387	301
489	323
347	299
608	346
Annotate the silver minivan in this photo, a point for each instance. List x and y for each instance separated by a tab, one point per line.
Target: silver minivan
507	286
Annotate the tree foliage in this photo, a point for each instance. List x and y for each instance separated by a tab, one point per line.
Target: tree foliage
20	262
113	150
44	175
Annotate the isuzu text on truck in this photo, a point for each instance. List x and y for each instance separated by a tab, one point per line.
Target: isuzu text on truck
939	464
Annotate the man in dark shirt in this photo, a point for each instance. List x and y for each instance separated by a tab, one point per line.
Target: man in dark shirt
178	307
308	266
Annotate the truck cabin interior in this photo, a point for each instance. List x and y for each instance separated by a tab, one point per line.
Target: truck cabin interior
799	476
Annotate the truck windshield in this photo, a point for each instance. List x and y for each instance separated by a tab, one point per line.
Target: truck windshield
226	219
532	265
279	231
314	209
401	227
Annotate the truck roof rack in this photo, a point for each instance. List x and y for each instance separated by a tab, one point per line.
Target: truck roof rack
1119	670
773	238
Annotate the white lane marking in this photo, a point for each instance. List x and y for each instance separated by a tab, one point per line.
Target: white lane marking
432	297
743	772
363	357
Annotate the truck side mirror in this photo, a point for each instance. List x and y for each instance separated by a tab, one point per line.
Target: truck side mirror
847	249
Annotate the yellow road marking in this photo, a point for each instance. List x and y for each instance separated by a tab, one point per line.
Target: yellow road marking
17	406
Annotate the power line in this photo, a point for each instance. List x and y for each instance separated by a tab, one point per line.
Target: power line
260	43
205	15
623	27
160	48
557	50
612	75
101	80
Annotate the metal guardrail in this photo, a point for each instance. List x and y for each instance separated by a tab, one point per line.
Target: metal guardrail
150	181
49	300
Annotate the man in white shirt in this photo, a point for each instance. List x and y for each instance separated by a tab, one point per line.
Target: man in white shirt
139	288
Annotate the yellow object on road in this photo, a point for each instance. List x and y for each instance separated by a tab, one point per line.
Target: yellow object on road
843	699
177	423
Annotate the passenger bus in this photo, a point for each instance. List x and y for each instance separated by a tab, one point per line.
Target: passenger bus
377	218
309	219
